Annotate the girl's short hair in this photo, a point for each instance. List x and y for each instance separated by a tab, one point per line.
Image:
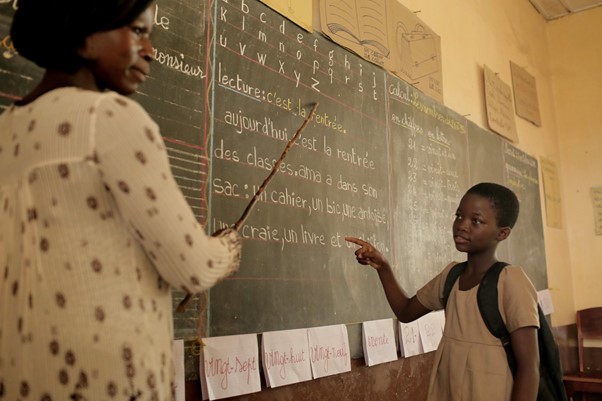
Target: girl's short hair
504	201
50	32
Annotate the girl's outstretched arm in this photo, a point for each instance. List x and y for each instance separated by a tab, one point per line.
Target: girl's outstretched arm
405	308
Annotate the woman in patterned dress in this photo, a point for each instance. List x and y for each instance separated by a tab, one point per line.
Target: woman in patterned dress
94	230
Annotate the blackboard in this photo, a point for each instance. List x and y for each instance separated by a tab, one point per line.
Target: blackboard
232	83
297	267
429	175
17	75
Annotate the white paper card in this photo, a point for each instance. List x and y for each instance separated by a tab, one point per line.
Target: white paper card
440	314
285	357
231	365
178	361
329	350
544	298
409	339
379	341
430	331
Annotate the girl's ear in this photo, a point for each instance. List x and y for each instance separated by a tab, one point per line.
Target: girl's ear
503	233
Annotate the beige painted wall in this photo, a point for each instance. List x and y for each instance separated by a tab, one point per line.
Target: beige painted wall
576	72
565	57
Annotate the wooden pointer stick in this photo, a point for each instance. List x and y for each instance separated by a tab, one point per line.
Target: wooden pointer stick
247	210
290	143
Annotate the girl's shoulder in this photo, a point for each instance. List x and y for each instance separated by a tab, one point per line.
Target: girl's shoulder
514	281
513	272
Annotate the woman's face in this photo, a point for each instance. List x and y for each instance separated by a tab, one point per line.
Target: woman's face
120	59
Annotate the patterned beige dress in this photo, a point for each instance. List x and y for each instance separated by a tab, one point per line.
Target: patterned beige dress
470	363
93	232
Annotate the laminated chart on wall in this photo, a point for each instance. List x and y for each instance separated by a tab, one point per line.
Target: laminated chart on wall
389	35
526	101
300	12
416	56
498	102
358	25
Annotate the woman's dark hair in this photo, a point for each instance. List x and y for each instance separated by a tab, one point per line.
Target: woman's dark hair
504	201
50	32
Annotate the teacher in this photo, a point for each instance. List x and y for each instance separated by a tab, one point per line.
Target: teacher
94	230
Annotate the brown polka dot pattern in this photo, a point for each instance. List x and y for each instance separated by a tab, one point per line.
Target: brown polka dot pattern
63	170
60	300
96	266
63	377
64	129
111	389
124	187
69	358
92	202
111	235
149	134
24	390
54	347
150	193
99	314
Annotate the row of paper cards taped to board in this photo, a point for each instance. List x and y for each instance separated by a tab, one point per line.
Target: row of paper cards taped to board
229	365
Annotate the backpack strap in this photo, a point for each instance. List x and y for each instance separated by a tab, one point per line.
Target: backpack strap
451	278
487	298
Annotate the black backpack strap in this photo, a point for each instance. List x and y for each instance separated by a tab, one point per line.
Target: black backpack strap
487	298
451	278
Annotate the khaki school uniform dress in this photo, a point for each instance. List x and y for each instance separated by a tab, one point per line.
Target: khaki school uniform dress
470	363
93	233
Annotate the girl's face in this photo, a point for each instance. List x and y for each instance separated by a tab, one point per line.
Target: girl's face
120	59
475	227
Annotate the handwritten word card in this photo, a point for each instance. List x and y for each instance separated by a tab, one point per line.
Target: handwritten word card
178	361
230	366
329	350
285	357
379	341
431	330
409	339
544	298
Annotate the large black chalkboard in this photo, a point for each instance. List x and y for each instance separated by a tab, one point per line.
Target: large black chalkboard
429	175
267	73
232	83
297	270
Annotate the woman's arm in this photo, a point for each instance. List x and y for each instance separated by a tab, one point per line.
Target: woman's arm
133	163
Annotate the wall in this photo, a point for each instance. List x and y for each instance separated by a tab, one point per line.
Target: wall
565	59
575	67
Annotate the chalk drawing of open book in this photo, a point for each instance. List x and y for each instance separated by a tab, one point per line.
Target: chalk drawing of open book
362	22
418	51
